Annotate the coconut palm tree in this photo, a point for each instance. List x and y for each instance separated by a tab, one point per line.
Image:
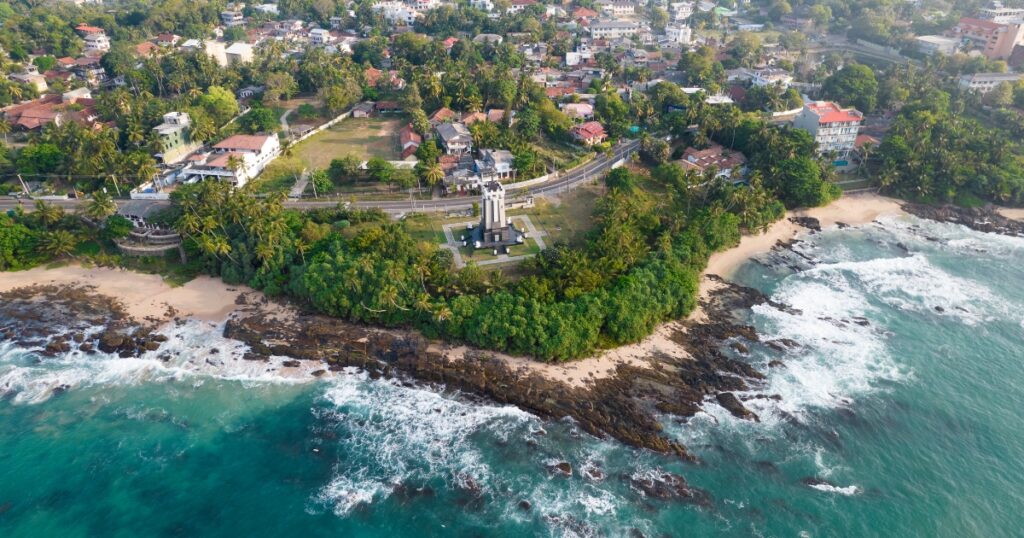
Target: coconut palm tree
48	214
434	174
57	244
100	206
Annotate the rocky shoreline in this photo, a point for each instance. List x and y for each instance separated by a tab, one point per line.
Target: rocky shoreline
982	219
628	406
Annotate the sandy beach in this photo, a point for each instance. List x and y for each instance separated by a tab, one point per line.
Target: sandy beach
148	297
145	297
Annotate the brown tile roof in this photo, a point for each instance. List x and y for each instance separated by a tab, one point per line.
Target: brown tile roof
243	142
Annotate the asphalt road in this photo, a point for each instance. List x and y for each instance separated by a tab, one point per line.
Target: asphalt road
566	181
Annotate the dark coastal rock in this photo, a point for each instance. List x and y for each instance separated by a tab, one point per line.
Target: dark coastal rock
562	468
983	219
739	347
776	364
732	404
668	486
810	223
291	364
525	505
111	342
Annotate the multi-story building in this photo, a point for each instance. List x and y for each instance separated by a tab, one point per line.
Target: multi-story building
994	40
613	29
617	8
986	82
238	53
232	17
173	134
495	164
237	159
678	33
396	13
96	43
1002	15
455	138
320	36
834	128
681	10
771	76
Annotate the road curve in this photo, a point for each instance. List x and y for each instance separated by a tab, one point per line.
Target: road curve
566	181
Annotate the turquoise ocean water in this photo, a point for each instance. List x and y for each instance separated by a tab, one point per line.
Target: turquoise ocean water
911	425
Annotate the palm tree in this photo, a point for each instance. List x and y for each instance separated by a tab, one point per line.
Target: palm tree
100	207
4	129
57	244
434	174
48	214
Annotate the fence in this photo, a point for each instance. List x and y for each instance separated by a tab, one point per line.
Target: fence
319	129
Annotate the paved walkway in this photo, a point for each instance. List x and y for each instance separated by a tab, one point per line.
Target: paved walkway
454	245
300	185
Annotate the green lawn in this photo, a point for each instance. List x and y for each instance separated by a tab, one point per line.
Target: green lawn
568	219
278	176
361	137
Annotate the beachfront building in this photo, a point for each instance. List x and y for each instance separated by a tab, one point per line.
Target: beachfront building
834	128
236	159
722	160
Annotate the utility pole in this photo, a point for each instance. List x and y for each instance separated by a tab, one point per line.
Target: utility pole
24	186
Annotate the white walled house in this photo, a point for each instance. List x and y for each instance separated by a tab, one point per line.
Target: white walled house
252	153
97	43
678	33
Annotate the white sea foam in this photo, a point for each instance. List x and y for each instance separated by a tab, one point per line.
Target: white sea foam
839	490
396	434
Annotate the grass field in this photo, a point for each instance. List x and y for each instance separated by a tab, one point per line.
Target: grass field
278	176
567	219
361	137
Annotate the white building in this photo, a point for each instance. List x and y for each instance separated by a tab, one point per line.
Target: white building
455	138
484	5
237	53
515	6
237	159
232	17
678	33
937	44
267	8
834	128
97	42
681	10
396	13
319	36
495	164
771	76
1002	15
613	29
618	8
986	82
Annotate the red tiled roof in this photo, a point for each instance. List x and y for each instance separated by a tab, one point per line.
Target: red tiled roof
450	42
443	114
222	160
406	135
590	129
145	48
372	75
829	112
865	139
583	12
714	155
471	117
970	21
243	142
86	29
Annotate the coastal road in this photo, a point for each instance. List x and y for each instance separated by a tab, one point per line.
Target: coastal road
566	181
